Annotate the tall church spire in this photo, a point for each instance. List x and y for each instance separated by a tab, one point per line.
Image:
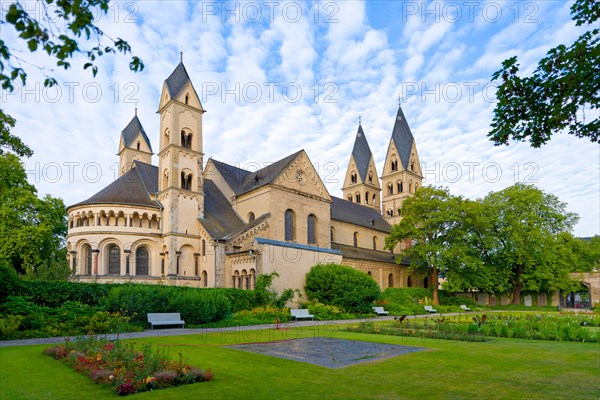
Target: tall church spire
361	184
402	174
180	185
134	145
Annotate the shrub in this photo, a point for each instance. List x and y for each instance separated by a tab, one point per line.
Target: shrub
406	297
342	286
447	299
10	284
324	312
197	306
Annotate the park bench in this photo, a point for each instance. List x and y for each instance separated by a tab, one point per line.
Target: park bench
464	307
380	311
300	314
164	319
430	309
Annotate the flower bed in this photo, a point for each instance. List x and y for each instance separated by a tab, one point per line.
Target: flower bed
474	327
125	368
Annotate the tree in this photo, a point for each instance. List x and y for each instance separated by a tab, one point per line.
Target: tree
32	230
59	34
530	232
433	220
565	82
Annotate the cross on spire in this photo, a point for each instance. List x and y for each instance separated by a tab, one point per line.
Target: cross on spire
181	56
359	118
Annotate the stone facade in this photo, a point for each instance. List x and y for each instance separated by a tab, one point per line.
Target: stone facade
183	223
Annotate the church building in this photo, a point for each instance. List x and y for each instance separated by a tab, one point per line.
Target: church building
187	223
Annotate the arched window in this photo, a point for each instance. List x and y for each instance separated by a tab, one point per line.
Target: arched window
332	234
252	278
394	165
204	279
357	198
399	184
426	283
114	259
187	98
390	189
142	261
244	280
251	217
355	239
186	139
87	252
353	178
399	210
290	229
349	199
410	187
311	224
409	281
374	197
138	145
374	242
412	165
391	280
370	178
367	198
203	247
186	181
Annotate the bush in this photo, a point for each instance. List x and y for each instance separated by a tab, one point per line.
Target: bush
324	312
447	299
406	297
342	286
197	306
10	284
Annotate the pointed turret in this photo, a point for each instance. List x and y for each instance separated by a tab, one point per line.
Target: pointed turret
361	184
134	145
402	174
180	161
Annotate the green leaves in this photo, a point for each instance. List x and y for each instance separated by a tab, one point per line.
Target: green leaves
59	37
549	101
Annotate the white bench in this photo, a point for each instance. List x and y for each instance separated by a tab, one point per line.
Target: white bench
464	307
430	309
380	311
300	314
164	319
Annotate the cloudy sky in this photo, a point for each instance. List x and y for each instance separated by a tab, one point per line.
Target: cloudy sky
280	76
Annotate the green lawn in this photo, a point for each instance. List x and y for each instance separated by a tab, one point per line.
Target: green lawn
499	369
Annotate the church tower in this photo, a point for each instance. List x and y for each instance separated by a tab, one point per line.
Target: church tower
402	174
180	160
361	184
133	146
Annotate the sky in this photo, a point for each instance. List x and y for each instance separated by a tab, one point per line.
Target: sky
276	77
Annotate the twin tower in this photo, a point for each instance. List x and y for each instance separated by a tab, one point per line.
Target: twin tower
401	176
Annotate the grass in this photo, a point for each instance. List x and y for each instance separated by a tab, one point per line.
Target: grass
498	369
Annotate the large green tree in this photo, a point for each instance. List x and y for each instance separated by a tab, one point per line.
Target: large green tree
530	230
554	97
433	220
32	230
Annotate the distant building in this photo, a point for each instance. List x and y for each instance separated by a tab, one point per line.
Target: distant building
220	226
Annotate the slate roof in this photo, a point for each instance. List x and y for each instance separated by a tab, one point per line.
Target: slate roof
402	137
242	181
352	213
361	153
177	81
359	253
219	218
131	131
132	188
